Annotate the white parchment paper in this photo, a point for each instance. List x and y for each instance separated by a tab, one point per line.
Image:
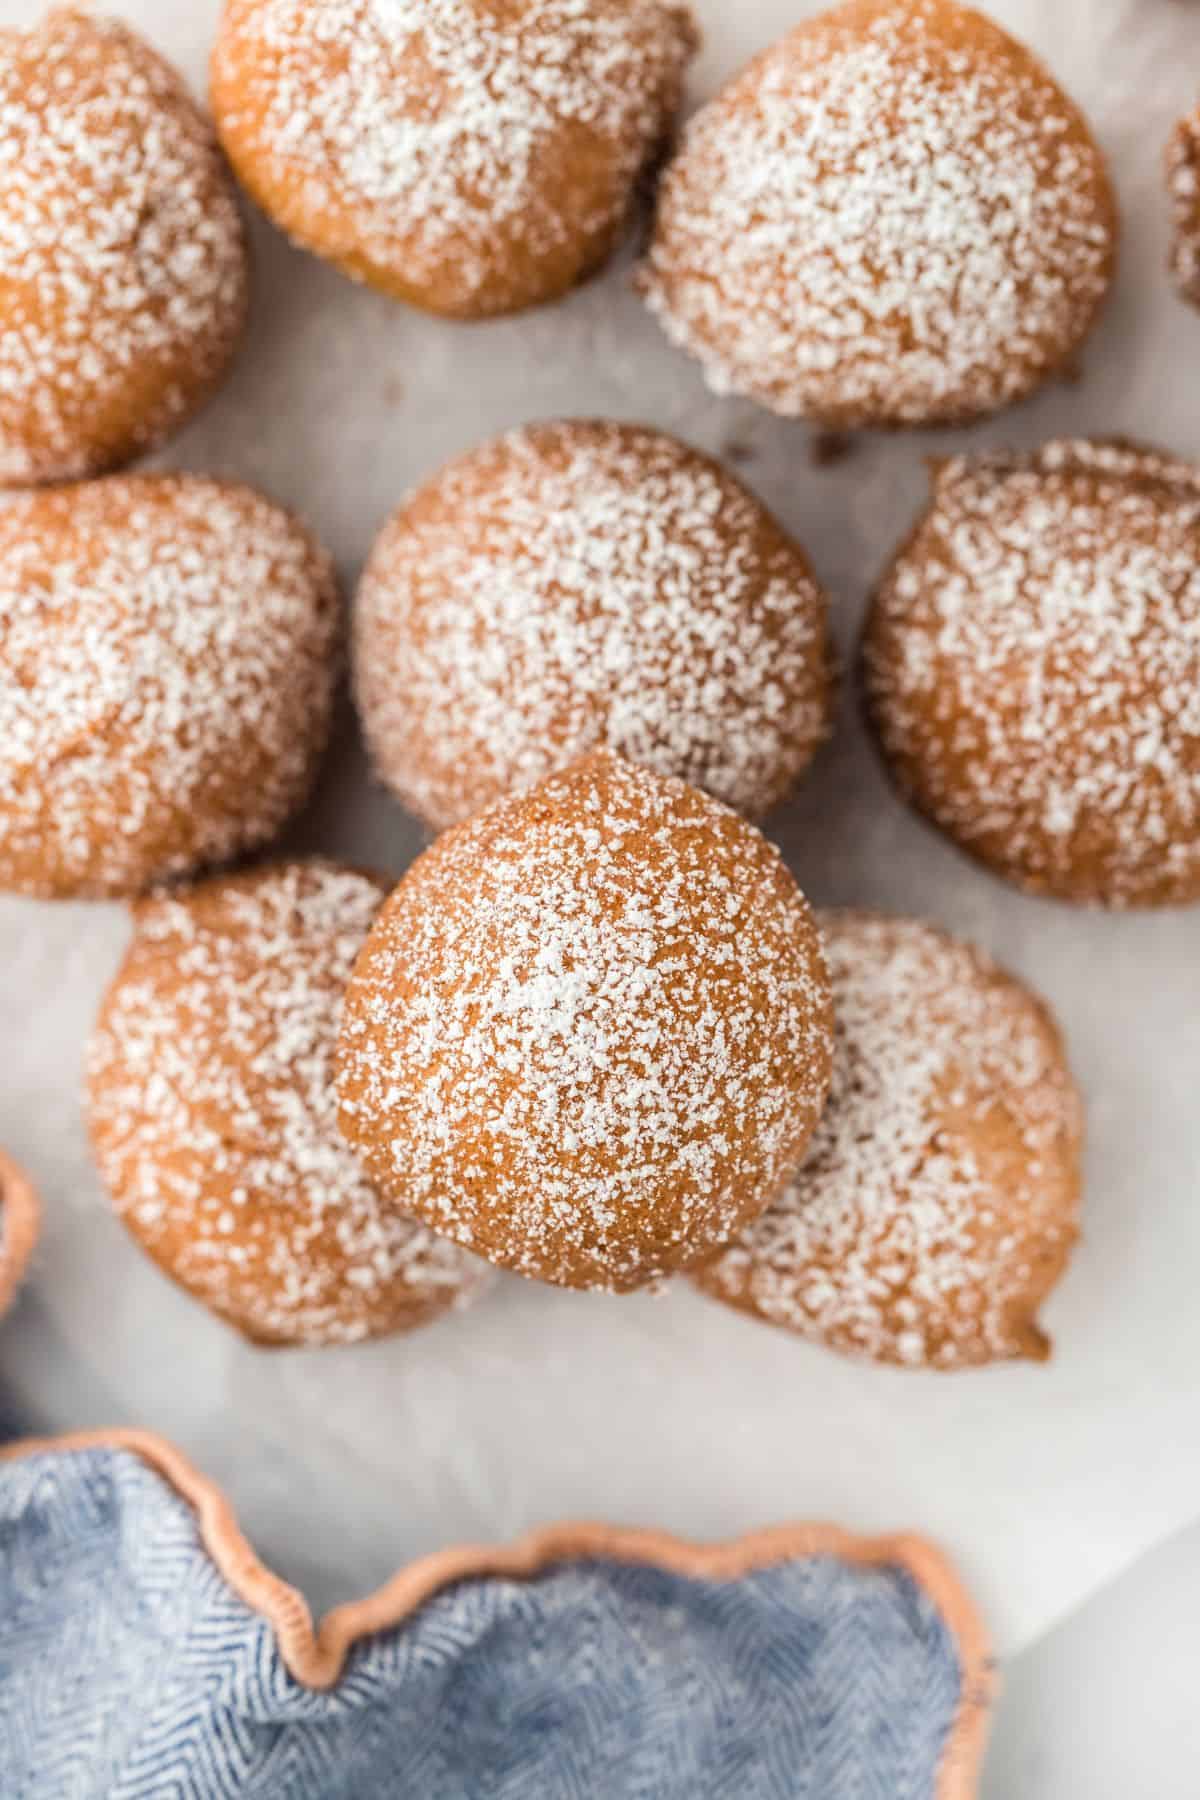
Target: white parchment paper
671	1412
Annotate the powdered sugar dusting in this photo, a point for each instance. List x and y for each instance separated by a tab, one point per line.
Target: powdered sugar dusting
1034	668
122	267
214	1117
937	1203
434	138
167	659
577	584
589	1034
1183	177
893	216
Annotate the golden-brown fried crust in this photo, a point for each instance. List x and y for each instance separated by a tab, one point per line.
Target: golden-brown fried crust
892	217
1032	669
471	157
589	1033
1183	181
213	1117
938	1202
167	663
123	270
582	584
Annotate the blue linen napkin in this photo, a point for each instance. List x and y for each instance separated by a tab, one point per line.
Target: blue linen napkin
130	1669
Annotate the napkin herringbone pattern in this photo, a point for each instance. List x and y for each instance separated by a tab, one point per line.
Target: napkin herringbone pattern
130	1670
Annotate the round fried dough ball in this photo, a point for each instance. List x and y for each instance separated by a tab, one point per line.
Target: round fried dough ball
123	277
214	1121
577	585
938	1203
1183	177
589	1033
1032	665
892	217
167	663
471	157
20	1225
